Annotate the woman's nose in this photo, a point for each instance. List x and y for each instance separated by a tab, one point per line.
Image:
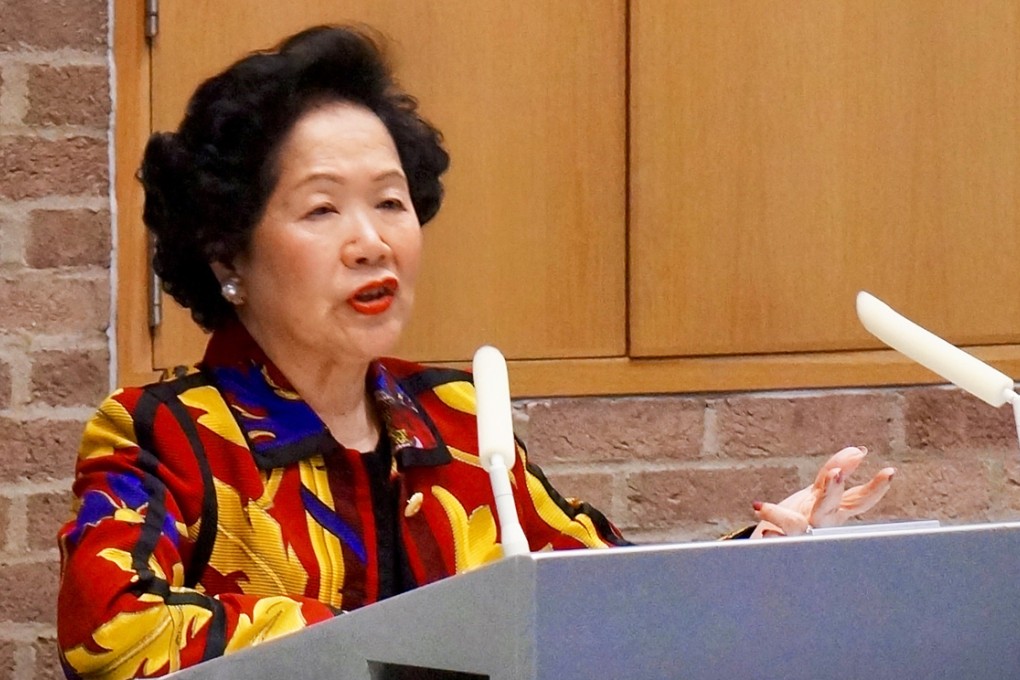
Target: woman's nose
365	245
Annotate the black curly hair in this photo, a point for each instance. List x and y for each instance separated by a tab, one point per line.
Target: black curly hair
207	185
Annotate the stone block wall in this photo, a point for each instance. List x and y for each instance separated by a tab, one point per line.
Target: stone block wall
55	252
675	468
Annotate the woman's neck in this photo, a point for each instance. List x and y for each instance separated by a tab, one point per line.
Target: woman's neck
335	390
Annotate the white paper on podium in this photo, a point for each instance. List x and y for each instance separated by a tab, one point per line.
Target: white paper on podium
874	529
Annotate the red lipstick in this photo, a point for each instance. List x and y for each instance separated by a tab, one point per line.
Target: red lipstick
374	297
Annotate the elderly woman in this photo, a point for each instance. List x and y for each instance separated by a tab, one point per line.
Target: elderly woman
293	473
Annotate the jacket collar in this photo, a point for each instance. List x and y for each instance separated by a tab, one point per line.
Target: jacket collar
281	428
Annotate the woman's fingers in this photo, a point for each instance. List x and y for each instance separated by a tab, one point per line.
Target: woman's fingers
862	498
846	460
766	530
788	521
829	500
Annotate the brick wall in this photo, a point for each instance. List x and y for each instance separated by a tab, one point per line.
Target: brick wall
664	468
688	467
55	248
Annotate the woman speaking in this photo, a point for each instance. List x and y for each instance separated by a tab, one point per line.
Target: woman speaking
294	473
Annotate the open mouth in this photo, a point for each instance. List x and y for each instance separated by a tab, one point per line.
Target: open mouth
375	297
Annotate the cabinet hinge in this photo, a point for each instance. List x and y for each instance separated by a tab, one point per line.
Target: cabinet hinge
151	18
155	291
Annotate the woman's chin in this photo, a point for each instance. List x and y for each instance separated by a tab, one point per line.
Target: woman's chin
375	343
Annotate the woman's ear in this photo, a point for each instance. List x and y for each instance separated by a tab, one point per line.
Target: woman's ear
231	286
222	272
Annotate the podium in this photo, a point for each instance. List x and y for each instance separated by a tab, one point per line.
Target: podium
931	603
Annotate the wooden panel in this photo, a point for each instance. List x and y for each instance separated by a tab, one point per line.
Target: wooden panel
134	345
579	377
788	153
911	117
529	251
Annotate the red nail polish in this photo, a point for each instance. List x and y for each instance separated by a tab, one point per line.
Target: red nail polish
756	505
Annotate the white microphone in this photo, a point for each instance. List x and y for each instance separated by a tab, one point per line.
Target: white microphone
497	449
964	370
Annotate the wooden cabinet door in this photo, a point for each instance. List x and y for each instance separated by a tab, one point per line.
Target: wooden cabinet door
788	153
529	250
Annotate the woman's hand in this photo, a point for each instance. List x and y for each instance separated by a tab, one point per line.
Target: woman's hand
825	503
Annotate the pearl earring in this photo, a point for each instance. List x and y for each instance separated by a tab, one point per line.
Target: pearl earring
231	291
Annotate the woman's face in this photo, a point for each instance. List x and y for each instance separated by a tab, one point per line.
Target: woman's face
332	264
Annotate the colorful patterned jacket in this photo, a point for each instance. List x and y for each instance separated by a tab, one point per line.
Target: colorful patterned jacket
215	511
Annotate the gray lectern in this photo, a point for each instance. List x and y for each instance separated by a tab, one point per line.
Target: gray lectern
935	603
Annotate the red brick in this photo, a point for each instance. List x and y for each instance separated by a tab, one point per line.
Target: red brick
753	426
47	660
38	450
33	167
723	497
70	378
943	419
68	95
593	487
7	658
597	429
9	251
44	303
46	514
5	385
1008	491
5	519
52	24
953	490
30	591
68	238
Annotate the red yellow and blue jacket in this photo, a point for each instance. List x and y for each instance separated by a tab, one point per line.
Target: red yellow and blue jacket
215	510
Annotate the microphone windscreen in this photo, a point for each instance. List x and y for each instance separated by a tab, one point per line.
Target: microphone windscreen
495	419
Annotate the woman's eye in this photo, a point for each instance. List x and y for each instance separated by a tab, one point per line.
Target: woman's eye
321	210
392	204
